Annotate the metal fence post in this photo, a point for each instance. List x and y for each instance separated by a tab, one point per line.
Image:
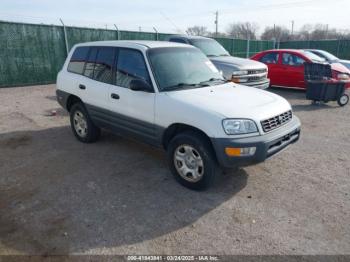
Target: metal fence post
338	47
116	27
156	33
232	46
65	36
248	47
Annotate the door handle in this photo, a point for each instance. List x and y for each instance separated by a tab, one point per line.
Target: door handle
115	96
82	87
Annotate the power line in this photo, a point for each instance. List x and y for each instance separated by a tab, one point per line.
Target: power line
171	22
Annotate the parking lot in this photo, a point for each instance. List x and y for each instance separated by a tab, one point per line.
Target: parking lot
59	196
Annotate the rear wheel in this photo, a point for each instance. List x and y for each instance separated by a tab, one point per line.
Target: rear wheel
82	126
343	100
192	161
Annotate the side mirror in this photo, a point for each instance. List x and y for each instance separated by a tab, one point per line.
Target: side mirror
140	85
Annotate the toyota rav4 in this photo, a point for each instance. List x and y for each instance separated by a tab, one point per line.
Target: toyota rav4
172	96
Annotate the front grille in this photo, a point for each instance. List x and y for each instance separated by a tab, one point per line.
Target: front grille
276	121
256	71
256	78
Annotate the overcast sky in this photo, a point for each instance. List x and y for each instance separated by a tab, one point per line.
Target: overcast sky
176	15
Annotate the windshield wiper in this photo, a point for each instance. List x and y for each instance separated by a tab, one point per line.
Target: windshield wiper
178	86
213	80
225	55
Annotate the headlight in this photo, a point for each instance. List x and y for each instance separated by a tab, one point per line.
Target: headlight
343	76
239	126
239	73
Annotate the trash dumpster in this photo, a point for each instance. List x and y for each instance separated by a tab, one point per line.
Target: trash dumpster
321	87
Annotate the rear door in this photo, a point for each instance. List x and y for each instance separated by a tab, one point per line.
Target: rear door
98	78
292	70
133	111
271	59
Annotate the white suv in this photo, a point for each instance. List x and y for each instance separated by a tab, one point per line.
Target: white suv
170	95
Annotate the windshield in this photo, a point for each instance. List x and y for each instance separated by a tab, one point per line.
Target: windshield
313	57
182	67
327	55
209	47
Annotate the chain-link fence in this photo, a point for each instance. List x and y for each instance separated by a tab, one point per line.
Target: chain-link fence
33	54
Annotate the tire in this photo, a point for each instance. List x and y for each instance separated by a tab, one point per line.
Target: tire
204	164
343	100
82	126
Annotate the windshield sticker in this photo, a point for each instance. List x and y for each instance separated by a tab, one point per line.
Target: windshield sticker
212	67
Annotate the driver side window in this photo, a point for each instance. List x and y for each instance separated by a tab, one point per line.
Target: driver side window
292	60
130	66
178	40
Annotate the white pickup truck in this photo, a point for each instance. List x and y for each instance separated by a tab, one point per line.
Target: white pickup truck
172	96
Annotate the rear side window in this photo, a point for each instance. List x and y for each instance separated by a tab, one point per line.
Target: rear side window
131	65
90	62
270	58
292	60
103	69
178	40
77	61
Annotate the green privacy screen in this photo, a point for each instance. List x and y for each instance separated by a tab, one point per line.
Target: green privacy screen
33	54
30	54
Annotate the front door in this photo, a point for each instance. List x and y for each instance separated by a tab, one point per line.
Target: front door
292	70
133	111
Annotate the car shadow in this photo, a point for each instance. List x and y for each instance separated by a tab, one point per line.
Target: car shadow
314	107
294	94
60	196
300	95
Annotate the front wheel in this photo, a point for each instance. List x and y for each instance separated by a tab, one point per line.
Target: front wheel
192	161
343	100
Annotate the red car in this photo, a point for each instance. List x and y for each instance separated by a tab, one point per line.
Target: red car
286	67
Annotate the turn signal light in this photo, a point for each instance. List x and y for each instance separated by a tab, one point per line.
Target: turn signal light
236	151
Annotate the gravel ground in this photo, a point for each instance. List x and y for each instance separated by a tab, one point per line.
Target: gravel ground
59	196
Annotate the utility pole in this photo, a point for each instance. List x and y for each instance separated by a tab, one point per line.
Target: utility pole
65	37
155	30
327	31
292	28
216	23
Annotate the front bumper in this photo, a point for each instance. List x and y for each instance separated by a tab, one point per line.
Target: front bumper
261	85
266	145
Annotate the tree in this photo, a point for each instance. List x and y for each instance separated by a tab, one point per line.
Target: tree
278	33
197	30
242	30
318	32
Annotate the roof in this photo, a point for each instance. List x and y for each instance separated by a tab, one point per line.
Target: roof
134	43
285	50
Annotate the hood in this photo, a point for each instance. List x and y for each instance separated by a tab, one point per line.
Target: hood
234	101
340	68
241	63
